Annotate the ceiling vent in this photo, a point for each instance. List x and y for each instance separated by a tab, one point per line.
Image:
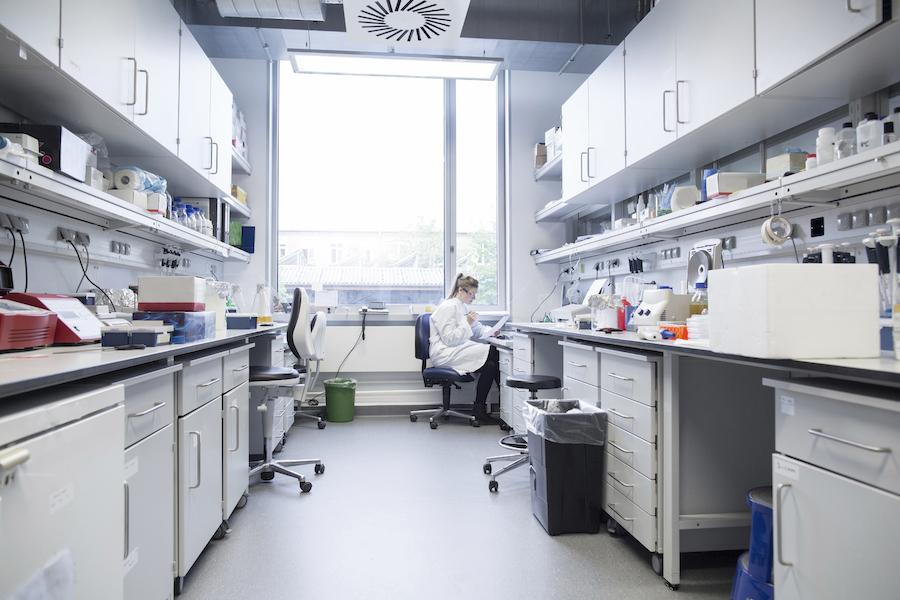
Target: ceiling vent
300	10
411	23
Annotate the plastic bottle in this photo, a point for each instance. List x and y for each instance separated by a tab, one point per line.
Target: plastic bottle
191	221
811	161
206	227
700	299
888	136
845	142
825	146
182	215
868	133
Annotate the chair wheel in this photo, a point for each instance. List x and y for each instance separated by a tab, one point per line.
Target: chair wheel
492	486
413	418
475	423
433	425
267	475
321	424
319	469
305	486
487	468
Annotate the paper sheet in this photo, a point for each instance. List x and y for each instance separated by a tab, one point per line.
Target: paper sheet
495	328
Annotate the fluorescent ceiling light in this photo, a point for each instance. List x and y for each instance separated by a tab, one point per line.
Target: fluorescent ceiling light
394	65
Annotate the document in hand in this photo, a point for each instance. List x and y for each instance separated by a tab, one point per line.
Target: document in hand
493	330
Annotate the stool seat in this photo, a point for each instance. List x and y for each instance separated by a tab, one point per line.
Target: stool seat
272	374
534	382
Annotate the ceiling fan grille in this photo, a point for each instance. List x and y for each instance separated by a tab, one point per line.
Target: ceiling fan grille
432	23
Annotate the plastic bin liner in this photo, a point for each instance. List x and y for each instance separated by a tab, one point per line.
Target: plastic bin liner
566	421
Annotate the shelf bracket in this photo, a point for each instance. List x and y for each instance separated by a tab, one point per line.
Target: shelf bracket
674	235
819	198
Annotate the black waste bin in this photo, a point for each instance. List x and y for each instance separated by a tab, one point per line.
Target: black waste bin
565	443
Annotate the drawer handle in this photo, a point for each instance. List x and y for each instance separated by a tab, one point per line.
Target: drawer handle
569	362
619	377
244	368
518	370
819	433
199	450
237	428
156	406
613	508
617	480
127	506
13	458
778	511
619	448
209	383
851	9
618	414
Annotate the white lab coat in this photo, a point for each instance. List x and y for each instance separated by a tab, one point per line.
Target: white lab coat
450	342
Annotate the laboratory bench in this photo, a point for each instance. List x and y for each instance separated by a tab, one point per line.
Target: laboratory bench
123	461
691	431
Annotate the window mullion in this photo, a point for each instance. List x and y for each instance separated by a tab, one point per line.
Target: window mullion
450	250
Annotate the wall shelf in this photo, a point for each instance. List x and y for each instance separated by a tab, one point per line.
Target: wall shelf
552	171
558	210
239	164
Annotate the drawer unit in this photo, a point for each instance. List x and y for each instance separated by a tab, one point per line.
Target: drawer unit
575	389
847	432
632	378
632	519
519	398
149	403
581	363
199	381
506	402
628	415
506	362
523	348
236	367
277	407
631	450
631	484
521	367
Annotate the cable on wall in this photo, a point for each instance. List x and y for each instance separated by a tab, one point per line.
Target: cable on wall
86	276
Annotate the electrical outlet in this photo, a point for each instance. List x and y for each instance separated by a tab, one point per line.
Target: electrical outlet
19	224
5	222
65	235
82	239
614	263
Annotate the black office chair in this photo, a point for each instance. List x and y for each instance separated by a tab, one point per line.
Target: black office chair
433	376
516	442
279	382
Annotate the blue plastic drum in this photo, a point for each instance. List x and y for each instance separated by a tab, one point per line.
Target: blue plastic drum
747	587
760	563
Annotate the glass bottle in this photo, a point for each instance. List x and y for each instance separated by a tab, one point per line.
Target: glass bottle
845	144
700	299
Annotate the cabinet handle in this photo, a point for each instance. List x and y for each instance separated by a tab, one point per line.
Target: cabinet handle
13	458
564	391
209	383
237	428
156	406
613	508
199	450
133	82
589	161
127	519
851	9
778	511
569	362
819	433
216	163
666	129
618	414
244	368
617	480
209	168
678	101
146	91
619	377
619	448
581	165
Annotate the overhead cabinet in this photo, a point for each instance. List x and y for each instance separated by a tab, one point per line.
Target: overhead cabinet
36	23
157	41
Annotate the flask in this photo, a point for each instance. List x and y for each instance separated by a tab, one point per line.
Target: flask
888	136
868	133
845	142
825	146
700	299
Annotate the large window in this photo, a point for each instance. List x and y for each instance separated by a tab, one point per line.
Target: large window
384	181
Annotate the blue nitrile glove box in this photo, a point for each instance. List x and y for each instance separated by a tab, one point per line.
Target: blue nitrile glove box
189	326
240	320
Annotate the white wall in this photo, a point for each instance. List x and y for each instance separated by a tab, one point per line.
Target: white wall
535	102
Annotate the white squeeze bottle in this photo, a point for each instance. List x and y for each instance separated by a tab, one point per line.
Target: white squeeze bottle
825	146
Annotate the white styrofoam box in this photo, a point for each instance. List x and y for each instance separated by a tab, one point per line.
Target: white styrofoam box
137	198
93	178
790	311
156	203
176	293
722	184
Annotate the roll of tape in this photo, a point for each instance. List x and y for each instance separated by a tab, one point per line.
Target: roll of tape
769	234
129	179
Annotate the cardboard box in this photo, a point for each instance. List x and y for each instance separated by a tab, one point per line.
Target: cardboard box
239	194
135	197
540	149
180	293
790	311
156	203
723	184
779	165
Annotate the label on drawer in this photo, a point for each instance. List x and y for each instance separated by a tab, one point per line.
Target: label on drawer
786	469
131	467
787	405
62	497
131	560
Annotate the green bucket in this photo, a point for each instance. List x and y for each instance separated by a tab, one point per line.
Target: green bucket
340	398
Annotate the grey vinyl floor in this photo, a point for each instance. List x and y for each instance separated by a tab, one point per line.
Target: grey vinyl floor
403	511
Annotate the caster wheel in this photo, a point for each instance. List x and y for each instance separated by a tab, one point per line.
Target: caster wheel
305	486
487	468
433	425
278	447
220	532
321	424
267	475
475	423
656	563
613	528
492	486
505	427
413	418
319	469
242	502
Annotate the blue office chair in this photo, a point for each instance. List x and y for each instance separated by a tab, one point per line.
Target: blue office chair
433	376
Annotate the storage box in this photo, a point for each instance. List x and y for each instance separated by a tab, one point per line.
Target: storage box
553	141
241	320
239	194
790	311
723	184
61	150
188	326
156	203
135	197
248	239
790	162
172	293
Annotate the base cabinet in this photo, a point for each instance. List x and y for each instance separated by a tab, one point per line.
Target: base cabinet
236	447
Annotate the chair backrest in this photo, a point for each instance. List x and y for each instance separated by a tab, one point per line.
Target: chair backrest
299	337
423	336
317	335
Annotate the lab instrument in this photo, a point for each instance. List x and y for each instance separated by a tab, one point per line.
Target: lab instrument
75	323
24	326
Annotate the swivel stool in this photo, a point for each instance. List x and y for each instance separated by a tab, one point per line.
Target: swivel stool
516	442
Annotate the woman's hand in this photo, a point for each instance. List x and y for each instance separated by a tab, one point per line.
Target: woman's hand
472	317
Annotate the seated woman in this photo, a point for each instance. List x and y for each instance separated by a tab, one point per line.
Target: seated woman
451	345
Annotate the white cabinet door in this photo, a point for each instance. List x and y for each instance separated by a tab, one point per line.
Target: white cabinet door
62	516
220	99
97	49
35	22
792	35
150	516
839	535
199	481
715	59
606	150
575	129
236	446
650	83
156	48
195	144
